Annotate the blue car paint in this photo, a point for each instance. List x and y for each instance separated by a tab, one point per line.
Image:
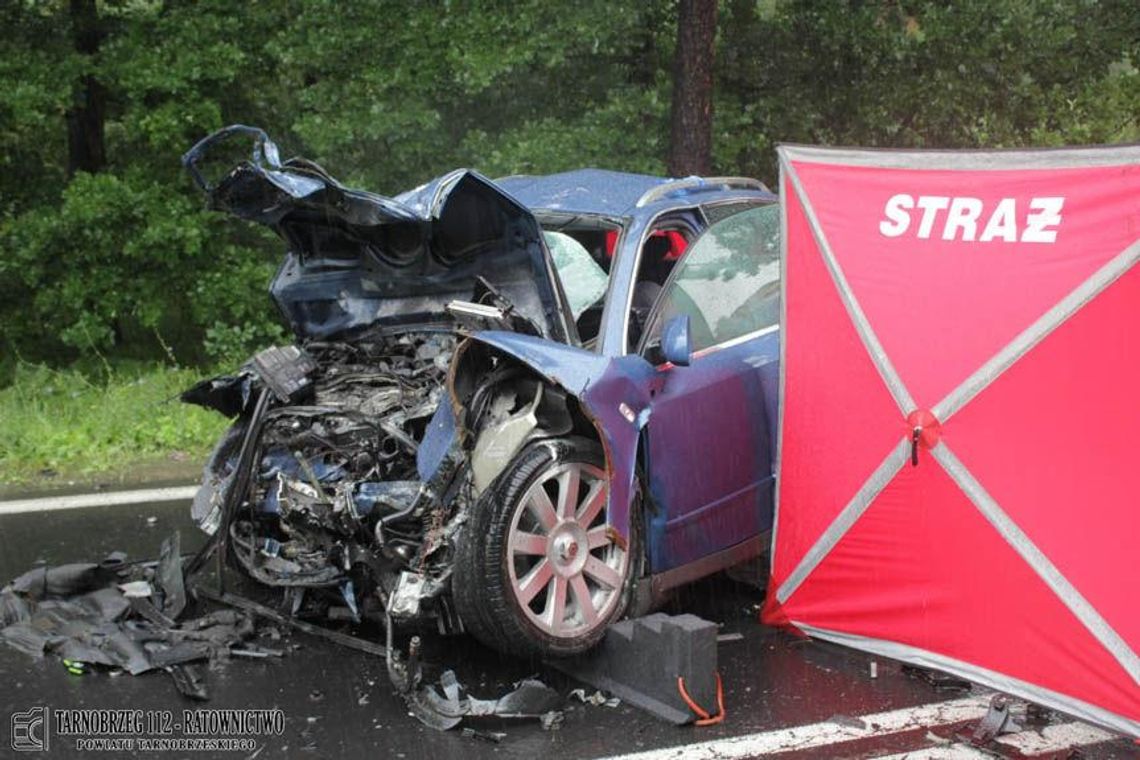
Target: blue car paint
620	403
704	433
612	340
570	367
413	254
601	192
697	507
709	452
439	437
676	346
597	192
614	195
732	391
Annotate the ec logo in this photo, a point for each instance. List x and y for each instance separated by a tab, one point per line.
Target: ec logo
30	730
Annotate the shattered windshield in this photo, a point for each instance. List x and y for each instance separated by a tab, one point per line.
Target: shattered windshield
582	279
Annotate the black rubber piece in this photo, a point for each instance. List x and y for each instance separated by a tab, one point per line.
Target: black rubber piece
481	583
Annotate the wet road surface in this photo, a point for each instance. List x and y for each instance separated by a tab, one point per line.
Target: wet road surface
337	702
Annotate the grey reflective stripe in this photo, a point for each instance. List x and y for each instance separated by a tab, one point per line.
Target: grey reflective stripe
994	680
870	341
1035	333
1049	158
780	402
846	518
1035	558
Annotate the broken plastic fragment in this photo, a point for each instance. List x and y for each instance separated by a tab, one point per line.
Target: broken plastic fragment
405	600
190	681
136	589
349	596
597	699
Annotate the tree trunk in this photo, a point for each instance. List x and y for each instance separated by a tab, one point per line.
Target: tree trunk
85	150
690	147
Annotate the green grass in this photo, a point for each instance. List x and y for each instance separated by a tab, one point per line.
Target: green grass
69	423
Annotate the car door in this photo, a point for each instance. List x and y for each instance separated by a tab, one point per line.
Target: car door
710	438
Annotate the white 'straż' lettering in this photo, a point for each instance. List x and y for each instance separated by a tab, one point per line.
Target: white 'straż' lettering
1049	215
1002	223
898	220
930	205
963	215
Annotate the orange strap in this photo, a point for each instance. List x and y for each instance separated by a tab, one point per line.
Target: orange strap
704	718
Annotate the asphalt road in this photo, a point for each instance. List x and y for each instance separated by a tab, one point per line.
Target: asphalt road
785	697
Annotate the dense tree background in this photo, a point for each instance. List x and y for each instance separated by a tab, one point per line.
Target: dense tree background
105	248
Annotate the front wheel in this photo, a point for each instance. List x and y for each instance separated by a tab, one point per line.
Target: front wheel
538	571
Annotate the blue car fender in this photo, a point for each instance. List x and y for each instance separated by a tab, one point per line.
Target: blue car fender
614	393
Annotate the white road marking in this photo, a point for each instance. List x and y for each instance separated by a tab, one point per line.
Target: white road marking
823	734
1030	743
948	752
79	501
1049	740
1058	737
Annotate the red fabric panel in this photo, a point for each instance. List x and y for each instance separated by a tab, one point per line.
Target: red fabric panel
1050	439
838	417
923	567
968	298
1053	440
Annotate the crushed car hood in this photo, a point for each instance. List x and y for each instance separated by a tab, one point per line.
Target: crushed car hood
357	259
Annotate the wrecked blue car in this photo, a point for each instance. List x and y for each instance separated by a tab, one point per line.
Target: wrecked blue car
519	408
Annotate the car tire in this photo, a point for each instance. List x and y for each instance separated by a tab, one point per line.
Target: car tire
534	577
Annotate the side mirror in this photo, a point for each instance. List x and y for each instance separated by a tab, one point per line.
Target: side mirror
675	344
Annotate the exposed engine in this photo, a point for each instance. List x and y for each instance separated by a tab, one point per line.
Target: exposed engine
356	479
347	478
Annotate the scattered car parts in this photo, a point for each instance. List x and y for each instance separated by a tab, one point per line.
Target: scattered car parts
81	614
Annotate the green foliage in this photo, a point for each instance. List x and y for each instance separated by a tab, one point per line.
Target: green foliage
72	422
122	256
126	262
932	74
471	84
388	94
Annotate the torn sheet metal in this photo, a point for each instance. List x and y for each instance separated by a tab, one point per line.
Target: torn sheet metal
446	707
614	393
260	610
168	576
443	706
395	257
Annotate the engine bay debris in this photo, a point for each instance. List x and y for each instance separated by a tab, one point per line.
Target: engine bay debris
353	490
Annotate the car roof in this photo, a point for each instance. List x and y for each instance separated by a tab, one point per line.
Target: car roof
603	192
